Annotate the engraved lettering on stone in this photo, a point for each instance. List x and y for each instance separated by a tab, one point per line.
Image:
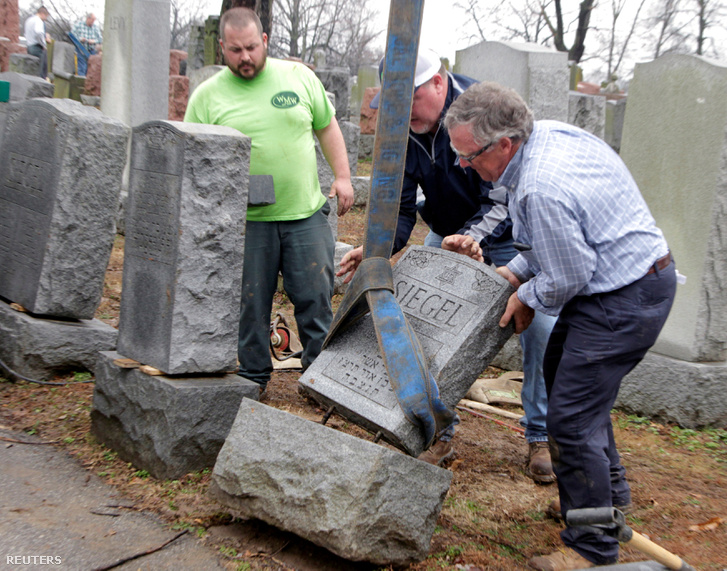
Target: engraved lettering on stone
366	377
154	235
116	23
25	174
432	305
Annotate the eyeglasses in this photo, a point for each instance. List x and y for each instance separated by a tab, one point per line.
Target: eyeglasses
473	156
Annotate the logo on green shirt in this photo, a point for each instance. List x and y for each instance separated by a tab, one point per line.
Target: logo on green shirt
285	100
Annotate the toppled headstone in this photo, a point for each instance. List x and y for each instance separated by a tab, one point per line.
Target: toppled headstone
41	347
23	87
60	177
184	247
357	499
166	426
454	305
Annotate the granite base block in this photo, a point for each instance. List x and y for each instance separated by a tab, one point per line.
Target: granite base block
39	347
358	499
166	426
690	394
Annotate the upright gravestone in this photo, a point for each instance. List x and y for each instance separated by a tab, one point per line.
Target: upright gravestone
60	175
587	112
136	48
184	242
60	179
180	301
454	305
539	74
674	144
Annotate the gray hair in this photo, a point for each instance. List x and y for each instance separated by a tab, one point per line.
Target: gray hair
492	112
239	18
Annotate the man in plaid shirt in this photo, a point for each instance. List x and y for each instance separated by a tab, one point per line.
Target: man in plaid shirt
88	32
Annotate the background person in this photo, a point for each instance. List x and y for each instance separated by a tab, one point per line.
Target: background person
457	201
280	105
88	32
598	261
37	39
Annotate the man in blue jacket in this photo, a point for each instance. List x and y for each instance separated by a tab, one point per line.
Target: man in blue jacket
458	201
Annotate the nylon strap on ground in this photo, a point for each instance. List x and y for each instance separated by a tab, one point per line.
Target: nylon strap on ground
372	286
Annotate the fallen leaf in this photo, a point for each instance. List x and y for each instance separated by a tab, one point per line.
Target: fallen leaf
708	525
456	464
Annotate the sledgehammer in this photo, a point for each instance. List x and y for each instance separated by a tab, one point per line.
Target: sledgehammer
611	521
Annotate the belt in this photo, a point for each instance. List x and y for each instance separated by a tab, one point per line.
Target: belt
661	264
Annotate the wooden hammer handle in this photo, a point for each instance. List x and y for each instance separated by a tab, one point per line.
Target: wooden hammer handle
660	554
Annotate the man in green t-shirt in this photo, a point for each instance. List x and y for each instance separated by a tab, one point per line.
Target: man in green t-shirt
280	105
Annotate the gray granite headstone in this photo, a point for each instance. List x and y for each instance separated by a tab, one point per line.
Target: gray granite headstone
539	74
587	112
454	304
184	245
60	177
674	145
613	129
41	347
198	76
166	426
64	60
337	81
24	87
357	499
25	63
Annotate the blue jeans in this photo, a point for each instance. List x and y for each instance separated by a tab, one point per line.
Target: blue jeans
38	51
597	340
302	250
533	341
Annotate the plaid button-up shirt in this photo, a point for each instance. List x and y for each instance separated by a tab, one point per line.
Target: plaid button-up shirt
574	201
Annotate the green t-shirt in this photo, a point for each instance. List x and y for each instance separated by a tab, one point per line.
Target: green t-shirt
278	110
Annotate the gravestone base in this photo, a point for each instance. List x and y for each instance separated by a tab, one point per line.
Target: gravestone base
360	500
690	394
168	426
39	347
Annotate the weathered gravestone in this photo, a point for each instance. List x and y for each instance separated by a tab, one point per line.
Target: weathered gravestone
587	112
539	74
60	179
60	173
357	499
136	40
180	301
23	87
674	145
25	63
454	305
184	242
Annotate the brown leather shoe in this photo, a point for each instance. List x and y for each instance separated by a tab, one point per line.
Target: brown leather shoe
553	509
540	468
562	560
437	452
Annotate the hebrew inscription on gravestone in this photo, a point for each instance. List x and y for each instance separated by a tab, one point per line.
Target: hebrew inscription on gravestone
454	304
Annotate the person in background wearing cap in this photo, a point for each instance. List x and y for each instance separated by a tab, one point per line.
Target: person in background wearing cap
599	262
458	201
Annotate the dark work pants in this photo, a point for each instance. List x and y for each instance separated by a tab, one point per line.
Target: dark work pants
303	251
596	341
38	51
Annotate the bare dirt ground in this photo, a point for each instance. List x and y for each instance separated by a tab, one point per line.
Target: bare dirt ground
493	517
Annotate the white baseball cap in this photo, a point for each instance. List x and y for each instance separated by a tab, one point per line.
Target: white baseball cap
428	64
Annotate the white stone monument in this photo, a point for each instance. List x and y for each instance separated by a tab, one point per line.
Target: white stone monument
135	82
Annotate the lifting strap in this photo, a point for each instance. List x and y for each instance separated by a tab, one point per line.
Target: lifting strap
371	288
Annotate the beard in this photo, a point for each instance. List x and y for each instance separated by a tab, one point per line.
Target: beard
249	70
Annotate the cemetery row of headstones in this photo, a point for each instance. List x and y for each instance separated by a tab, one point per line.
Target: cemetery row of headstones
62	167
